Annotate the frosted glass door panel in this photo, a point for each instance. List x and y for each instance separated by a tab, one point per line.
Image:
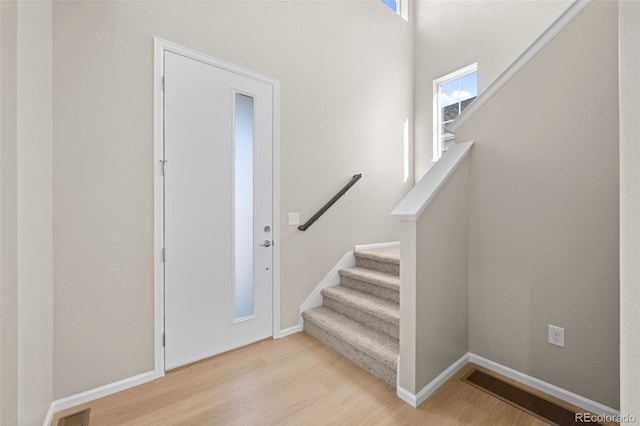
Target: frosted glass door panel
243	233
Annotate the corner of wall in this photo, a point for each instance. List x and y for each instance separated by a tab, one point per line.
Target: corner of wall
434	275
442	287
629	34
408	265
34	157
8	216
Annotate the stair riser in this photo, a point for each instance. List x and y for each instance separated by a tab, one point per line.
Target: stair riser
376	265
373	289
377	324
361	359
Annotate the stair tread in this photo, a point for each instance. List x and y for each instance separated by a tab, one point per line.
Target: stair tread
370	276
375	306
375	344
387	254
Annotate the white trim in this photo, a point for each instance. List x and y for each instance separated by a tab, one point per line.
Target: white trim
160	47
210	60
49	417
406	396
457	74
418	199
330	280
377	246
99	392
289	331
275	225
427	391
532	382
548	388
158	209
403	9
572	11
435	136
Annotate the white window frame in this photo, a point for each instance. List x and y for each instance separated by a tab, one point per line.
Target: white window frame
437	111
402	9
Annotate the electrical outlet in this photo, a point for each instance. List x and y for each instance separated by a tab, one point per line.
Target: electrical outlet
556	335
294	218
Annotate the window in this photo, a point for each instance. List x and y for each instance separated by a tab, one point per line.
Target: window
399	7
392	4
451	95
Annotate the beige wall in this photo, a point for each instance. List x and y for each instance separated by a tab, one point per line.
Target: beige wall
8	217
408	301
442	291
345	70
434	326
543	213
26	209
34	225
452	34
629	21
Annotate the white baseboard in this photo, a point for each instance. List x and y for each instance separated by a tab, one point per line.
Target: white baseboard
49	418
99	392
377	246
331	279
427	391
288	331
548	388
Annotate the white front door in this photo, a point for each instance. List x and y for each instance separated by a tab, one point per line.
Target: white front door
218	210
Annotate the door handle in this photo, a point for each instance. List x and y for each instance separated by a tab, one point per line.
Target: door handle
267	243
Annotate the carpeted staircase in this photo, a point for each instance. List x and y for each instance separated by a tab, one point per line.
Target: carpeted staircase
360	317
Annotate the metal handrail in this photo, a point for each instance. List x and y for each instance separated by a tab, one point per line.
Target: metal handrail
331	202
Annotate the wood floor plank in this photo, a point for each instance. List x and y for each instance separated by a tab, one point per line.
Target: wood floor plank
292	381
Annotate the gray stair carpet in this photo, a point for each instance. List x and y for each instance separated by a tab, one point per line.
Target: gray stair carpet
360	317
386	286
380	314
382	260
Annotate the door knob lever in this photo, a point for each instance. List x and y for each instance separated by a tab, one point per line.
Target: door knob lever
267	243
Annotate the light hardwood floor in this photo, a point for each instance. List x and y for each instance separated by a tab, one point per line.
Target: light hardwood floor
292	381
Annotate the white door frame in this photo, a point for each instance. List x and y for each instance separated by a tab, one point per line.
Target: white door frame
160	47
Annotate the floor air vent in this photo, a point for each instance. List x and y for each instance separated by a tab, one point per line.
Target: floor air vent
532	404
81	418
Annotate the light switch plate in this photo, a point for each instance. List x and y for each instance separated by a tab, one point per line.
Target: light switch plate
294	218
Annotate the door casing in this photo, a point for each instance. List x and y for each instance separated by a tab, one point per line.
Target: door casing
160	47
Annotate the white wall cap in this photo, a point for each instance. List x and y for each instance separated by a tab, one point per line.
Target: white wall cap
418	199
